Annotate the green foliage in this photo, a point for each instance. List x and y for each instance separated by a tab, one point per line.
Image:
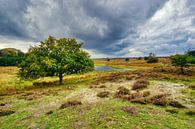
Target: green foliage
182	61
151	58
126	59
10	57
191	53
10	60
55	57
139	58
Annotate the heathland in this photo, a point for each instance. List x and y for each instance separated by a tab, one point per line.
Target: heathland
137	95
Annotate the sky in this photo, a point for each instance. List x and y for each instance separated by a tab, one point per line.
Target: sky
108	28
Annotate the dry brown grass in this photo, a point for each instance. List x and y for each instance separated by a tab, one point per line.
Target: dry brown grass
72	103
160	99
103	94
140	84
130	110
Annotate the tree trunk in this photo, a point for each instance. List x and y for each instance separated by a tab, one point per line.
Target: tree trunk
60	79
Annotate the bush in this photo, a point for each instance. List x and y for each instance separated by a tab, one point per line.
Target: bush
146	93
140	84
152	60
126	59
103	94
70	104
145	58
159	100
140	58
123	91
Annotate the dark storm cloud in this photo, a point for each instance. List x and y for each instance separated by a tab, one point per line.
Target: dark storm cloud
108	28
11	18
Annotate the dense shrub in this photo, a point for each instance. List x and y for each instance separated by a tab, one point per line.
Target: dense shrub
10	60
140	84
146	93
122	91
10	57
152	60
159	100
139	58
126	59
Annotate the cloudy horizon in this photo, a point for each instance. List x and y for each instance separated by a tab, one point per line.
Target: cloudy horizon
117	28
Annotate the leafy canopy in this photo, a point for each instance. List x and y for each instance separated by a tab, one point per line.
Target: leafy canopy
55	57
182	61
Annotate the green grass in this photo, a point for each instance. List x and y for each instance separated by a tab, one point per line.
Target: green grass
31	104
106	114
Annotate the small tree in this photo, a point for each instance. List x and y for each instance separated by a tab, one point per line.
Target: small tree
152	58
126	59
180	61
55	57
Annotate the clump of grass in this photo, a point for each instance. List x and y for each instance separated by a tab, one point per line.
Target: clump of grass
140	84
102	86
6	112
129	77
176	104
146	93
136	97
130	110
172	111
103	94
159	100
191	113
122	91
70	104
49	112
192	87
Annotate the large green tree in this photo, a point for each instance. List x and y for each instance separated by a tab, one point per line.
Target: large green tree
55	57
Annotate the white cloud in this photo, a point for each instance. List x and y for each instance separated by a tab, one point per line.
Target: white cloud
6	42
168	30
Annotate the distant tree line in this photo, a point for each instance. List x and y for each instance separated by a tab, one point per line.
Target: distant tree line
11	57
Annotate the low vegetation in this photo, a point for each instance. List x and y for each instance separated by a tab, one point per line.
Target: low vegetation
140	84
148	96
103	94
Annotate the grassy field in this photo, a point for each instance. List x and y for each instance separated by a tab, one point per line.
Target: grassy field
99	100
